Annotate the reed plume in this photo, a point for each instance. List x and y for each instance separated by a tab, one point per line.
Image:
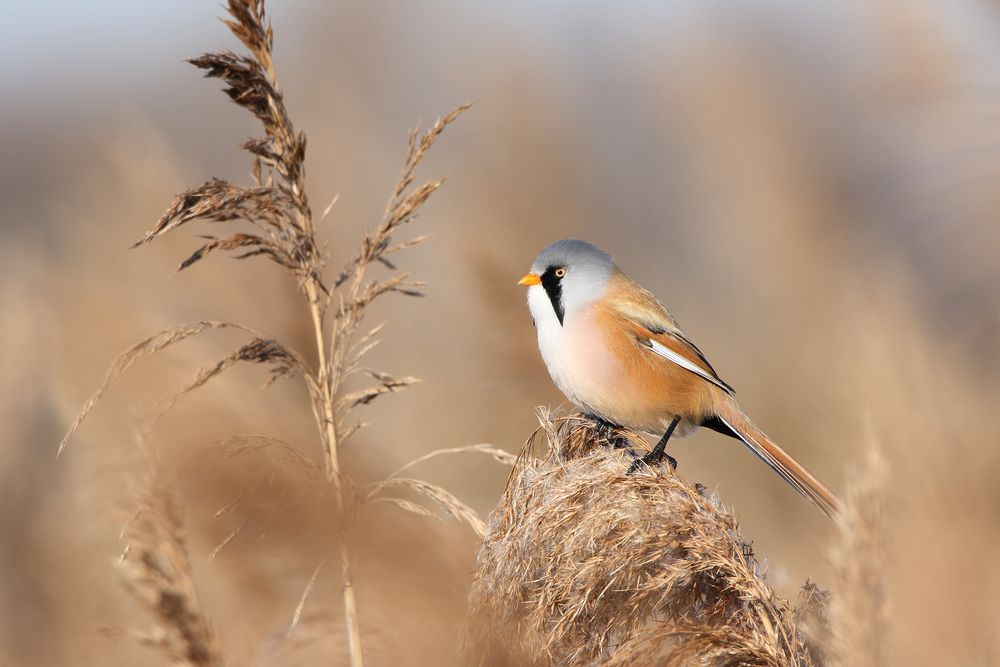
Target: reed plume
859	613
585	564
276	223
156	569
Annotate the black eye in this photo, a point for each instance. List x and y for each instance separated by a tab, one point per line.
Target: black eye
560	272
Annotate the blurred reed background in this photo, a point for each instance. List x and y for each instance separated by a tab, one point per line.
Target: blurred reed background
810	187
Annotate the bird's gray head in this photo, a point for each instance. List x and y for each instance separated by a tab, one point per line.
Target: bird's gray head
571	273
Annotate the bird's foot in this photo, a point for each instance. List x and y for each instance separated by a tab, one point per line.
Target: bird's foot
658	451
651	459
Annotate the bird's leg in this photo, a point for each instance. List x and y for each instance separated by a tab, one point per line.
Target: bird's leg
657	453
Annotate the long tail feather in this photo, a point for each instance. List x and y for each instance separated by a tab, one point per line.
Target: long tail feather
778	459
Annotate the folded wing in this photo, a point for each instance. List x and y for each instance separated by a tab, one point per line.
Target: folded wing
657	330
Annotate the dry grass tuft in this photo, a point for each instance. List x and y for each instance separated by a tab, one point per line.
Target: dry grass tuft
585	564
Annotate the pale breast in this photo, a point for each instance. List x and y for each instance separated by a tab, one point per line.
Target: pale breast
588	372
586	366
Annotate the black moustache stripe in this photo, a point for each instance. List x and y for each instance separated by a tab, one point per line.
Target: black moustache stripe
553	287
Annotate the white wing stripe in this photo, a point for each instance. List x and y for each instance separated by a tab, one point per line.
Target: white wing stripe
683	362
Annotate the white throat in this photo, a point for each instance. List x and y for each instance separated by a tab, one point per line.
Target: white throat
552	338
542	312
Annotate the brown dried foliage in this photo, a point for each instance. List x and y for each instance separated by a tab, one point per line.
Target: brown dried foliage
584	564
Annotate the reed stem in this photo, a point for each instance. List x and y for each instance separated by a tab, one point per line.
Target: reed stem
328	433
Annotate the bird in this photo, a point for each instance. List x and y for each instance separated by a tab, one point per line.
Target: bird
619	355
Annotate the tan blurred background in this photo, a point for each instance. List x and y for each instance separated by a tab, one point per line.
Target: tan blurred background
811	187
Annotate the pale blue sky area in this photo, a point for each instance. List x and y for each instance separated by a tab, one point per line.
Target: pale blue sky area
62	48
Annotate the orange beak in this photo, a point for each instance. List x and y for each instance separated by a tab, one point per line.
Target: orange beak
530	279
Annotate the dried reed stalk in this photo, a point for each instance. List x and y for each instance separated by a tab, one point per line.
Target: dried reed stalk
278	225
157	571
584	564
859	612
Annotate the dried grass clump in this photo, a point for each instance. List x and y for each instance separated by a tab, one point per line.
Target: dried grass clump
584	564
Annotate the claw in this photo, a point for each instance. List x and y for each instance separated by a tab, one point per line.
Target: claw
656	455
650	460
